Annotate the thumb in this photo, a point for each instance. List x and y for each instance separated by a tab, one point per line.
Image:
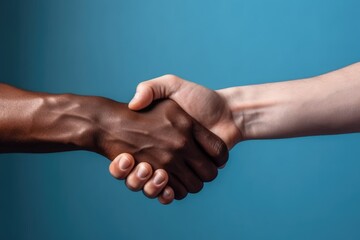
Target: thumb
142	98
157	88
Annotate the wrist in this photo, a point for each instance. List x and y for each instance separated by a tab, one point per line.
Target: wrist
233	97
71	121
257	110
110	118
281	109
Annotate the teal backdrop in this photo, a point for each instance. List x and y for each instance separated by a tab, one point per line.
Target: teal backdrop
303	188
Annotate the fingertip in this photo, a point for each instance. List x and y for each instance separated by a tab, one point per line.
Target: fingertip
167	196
154	186
135	103
121	166
112	167
142	98
136	180
144	171
126	161
222	166
160	177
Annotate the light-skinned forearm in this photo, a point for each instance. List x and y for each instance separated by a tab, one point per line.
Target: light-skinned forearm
326	104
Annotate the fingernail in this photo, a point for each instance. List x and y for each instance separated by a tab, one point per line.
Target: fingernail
167	193
124	163
159	179
142	172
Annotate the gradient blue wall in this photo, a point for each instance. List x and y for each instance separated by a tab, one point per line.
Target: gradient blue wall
305	188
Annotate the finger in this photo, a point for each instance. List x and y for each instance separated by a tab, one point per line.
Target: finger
143	97
139	176
157	88
121	166
180	191
156	184
222	166
187	177
202	166
211	144
167	196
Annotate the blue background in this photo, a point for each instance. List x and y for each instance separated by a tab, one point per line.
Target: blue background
304	188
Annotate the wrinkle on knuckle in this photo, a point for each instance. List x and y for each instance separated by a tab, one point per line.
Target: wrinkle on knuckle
142	85
221	152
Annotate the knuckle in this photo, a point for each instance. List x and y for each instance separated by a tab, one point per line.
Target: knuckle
166	160
171	77
180	195
180	143
210	176
147	166
185	122
142	85
221	152
220	148
163	175
196	187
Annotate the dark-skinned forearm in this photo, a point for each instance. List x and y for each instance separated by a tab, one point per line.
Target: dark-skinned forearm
163	134
39	122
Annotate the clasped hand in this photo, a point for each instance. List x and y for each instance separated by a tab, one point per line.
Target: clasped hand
187	139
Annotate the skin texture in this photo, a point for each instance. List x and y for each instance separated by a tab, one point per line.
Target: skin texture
162	136
170	143
206	106
326	104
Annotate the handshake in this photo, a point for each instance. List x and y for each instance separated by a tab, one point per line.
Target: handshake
178	134
170	139
174	135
